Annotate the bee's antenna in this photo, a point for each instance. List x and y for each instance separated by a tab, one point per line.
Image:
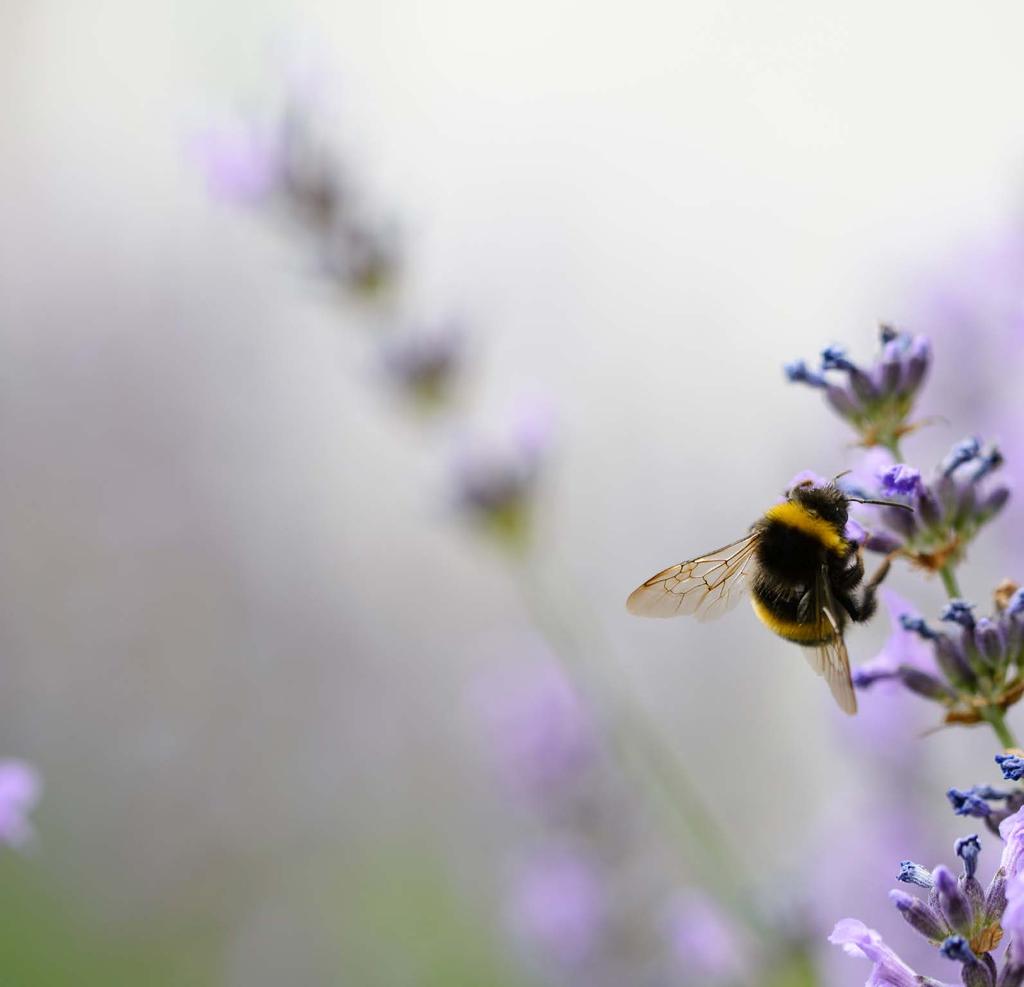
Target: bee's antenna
882	503
839	476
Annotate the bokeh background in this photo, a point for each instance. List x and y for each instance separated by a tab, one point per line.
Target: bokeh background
249	641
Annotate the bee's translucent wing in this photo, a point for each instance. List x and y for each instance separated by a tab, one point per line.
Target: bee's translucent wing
830	658
705	587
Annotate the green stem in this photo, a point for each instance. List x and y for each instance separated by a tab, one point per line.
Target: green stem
997	720
949	581
893	445
640	746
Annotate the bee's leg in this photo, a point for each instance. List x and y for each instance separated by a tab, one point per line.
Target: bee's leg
864	608
846	580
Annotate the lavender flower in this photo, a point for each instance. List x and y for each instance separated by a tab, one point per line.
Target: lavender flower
707	946
241	161
959	916
496	483
949	509
877	400
20	787
889	970
557	906
976	671
423	363
539	729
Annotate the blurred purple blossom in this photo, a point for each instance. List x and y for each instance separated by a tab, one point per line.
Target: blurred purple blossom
424	361
557	905
857	940
241	160
20	788
707	946
540	732
496	479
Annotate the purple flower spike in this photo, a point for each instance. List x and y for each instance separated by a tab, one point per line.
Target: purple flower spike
20	788
901	479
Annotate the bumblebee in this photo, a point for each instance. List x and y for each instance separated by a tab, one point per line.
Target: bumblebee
804	576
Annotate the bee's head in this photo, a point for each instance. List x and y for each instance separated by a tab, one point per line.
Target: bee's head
824	500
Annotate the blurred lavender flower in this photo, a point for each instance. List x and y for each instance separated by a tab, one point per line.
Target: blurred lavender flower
20	787
496	483
975	670
878	400
423	363
707	946
889	970
541	733
557	905
242	161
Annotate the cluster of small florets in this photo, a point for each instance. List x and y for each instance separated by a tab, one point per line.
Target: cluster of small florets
978	661
877	400
948	510
965	920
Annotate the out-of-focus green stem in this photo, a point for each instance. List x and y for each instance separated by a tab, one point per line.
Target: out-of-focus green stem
948	577
642	748
997	719
893	445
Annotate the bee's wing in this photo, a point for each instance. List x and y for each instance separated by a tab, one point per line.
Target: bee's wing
830	659
706	586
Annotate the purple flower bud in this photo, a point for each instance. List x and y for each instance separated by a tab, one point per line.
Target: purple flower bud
924	684
834	358
968	803
963	452
889	371
901	479
899	520
1016	605
988	639
974	973
992	460
911	873
798	373
1012	766
967	849
917	626
919	915
882	541
959	612
917	359
928	507
955	904
864	678
993	502
995	898
842	401
949	656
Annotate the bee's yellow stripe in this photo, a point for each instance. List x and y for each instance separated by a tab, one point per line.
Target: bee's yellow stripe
795	515
792	630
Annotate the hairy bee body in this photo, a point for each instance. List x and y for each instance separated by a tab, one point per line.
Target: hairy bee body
798	540
804	576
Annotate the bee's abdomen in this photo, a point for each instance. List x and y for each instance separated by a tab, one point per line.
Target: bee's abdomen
784	615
